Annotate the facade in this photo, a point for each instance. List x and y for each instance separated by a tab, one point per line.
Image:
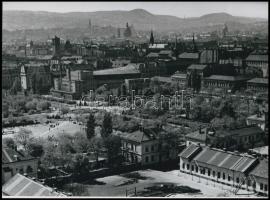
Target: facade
231	83
258	120
137	84
219	166
14	162
258	84
260	62
180	79
9	75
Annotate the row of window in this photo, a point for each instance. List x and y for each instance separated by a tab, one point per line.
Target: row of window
147	158
152	148
229	178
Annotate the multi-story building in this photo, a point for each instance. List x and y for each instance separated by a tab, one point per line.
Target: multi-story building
258	84
259	62
180	79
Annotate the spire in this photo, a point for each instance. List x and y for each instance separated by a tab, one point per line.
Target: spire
194	44
152	38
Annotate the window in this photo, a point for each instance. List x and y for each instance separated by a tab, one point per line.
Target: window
237	180
152	148
146	159
152	158
209	172
218	174
214	173
265	187
146	149
183	165
223	176
29	169
254	185
249	183
229	178
187	166
192	167
202	171
261	186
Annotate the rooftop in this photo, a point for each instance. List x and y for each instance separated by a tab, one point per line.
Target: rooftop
197	66
261	150
189	55
226	78
261	170
257	57
157	46
10	155
20	185
259	80
189	151
129	69
227	160
136	136
162	79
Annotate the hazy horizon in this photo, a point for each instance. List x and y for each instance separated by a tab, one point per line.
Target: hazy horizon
178	9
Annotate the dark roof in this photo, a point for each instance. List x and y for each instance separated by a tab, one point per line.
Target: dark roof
197	66
162	79
190	151
189	55
129	69
261	170
197	135
225	160
20	185
226	78
10	155
178	75
136	136
259	80
241	131
257	58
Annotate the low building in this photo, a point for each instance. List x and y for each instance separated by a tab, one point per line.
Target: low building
230	83
260	176
246	137
137	84
261	151
14	162
258	84
21	186
257	119
218	166
119	62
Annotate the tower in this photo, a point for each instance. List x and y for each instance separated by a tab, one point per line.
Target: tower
194	44
152	38
225	30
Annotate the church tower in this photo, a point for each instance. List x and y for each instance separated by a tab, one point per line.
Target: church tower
152	38
194	44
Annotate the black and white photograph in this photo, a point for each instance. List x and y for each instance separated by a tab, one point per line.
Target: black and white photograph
135	99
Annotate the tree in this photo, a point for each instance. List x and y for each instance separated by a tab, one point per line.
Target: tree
106	129
9	142
45	105
64	110
23	137
31	105
35	148
90	126
81	143
96	144
113	146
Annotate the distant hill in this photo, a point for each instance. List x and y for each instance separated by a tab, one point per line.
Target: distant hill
141	19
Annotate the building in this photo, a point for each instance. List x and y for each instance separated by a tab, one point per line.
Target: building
246	137
258	119
195	75
258	84
180	79
115	77
119	62
260	151
259	62
9	75
36	77
14	162
228	83
260	176
137	84
74	84
22	186
144	147
219	166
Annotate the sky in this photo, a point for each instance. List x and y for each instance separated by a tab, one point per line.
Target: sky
179	9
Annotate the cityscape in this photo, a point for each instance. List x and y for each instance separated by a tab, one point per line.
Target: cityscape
135	99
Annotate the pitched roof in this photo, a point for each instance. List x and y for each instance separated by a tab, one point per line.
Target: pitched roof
157	46
162	79
178	75
197	135
165	52
261	170
258	80
10	155
152	55
136	136
226	78
190	151
20	185
251	130
129	69
225	160
189	55
254	57
197	66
